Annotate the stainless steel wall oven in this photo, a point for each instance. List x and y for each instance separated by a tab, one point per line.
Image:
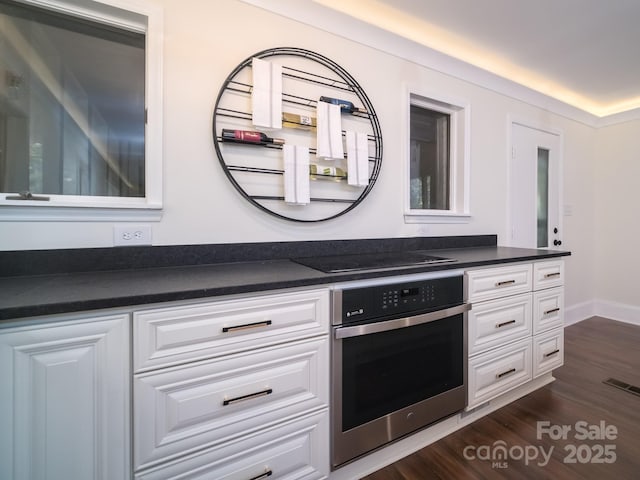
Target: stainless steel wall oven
398	359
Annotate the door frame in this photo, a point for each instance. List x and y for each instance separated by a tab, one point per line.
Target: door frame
546	128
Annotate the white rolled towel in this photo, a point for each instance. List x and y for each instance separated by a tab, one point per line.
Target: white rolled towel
266	94
329	131
357	159
296	174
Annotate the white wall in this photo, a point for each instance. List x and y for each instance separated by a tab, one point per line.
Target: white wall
617	221
205	40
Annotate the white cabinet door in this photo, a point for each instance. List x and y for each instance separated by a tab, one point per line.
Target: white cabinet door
548	309
498	371
548	351
548	274
172	335
497	322
294	450
64	400
497	282
181	410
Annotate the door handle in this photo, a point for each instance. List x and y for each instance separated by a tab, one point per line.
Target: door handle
504	324
266	474
246	326
242	398
396	324
508	372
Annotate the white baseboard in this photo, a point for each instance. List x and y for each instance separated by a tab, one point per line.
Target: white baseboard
579	312
602	308
618	311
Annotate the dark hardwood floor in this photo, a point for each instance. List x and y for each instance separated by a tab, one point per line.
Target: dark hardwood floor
595	350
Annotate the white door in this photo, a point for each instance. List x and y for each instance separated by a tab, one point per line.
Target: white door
534	193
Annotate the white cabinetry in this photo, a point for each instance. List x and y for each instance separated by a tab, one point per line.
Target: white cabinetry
64	399
515	326
233	387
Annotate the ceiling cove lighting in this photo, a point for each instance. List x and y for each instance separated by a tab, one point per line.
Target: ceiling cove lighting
424	33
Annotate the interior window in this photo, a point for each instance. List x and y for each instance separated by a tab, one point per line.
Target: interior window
72	110
80	110
429	159
437	173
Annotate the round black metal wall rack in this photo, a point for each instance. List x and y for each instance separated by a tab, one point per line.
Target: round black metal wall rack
256	171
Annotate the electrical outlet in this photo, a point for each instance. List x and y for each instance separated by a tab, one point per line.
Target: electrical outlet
131	235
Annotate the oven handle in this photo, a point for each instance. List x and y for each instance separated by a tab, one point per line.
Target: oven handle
366	329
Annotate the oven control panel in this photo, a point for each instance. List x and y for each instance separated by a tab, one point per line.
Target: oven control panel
397	299
420	295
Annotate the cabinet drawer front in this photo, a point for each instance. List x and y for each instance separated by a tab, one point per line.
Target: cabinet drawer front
182	409
548	351
498	322
492	283
548	309
496	372
297	449
172	335
548	274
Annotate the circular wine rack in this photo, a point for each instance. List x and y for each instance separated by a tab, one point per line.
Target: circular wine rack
256	171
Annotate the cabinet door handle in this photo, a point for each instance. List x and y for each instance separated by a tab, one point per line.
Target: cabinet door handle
505	282
503	324
553	310
246	326
551	275
546	355
262	393
266	474
500	375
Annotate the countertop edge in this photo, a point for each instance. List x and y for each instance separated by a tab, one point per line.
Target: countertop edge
306	277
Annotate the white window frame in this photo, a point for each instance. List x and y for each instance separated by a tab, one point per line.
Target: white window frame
459	112
138	16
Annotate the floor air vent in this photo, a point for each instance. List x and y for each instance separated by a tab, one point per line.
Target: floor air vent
623	386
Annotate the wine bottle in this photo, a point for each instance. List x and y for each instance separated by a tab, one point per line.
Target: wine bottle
246	136
345	105
326	173
293	120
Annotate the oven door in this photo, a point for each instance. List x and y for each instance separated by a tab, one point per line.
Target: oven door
394	377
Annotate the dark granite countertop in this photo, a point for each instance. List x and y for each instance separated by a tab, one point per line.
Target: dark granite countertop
53	292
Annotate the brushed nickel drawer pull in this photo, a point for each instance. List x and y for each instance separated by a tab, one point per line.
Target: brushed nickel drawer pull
546	355
553	310
505	282
550	275
500	375
266	474
262	393
503	324
247	326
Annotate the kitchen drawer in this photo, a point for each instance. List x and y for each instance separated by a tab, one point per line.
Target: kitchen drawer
548	309
548	274
498	322
297	449
490	283
173	335
182	409
548	351
493	373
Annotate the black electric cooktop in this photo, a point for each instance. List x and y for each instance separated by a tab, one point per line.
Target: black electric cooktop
369	261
